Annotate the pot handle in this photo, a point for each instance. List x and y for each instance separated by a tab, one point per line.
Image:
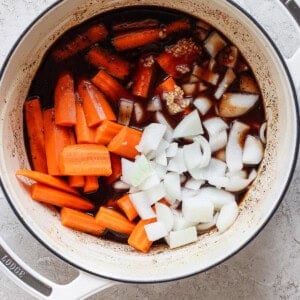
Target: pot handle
82	286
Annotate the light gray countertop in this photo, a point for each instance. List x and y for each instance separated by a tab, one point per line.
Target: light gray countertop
268	268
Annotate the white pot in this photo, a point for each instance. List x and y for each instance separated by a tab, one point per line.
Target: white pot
119	262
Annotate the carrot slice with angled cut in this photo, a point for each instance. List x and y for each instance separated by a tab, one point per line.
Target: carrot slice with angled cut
91	184
107	131
116	167
76	181
176	26
127	207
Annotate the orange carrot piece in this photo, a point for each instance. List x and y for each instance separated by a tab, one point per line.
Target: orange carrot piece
85	159
91	184
49	195
47	180
113	220
176	26
168	85
127	207
106	132
143	77
85	39
80	221
134	39
112	63
64	100
84	133
110	86
124	142
95	106
76	181
138	238
111	203
35	132
116	167
56	138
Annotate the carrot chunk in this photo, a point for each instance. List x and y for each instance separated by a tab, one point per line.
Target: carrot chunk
116	169
127	207
143	77
113	220
80	221
95	106
47	180
84	133
176	26
93	34
64	100
106	132
85	159
138	238
134	39
110	86
76	181
91	184
56	138
49	195
112	63
168	85
125	141
35	132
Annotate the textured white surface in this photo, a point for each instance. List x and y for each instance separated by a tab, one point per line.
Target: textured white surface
268	268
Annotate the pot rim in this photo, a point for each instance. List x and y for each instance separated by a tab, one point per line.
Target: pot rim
280	198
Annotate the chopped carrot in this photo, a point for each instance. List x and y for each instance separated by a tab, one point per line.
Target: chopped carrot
113	220
49	195
91	184
80	221
56	138
64	100
76	181
127	207
47	180
85	159
168	85
146	23
143	77
106	132
116	167
84	133
138	238
35	132
112	63
95	106
176	26
111	203
125	141
110	86
134	39
95	33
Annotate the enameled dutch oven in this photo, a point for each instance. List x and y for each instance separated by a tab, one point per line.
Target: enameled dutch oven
108	260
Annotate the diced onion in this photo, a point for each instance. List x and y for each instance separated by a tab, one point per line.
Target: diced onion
155	193
182	237
141	204
141	170
262	132
127	166
218	141
215	125
164	214
225	83
227	216
172	186
155	231
205	226
203	104
253	150
214	44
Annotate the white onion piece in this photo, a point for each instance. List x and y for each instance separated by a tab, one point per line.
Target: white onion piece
181	237
189	126
139	112
206	75
229	77
141	170
218	141
214	44
127	166
234	151
194	184
227	216
253	151
155	231
179	221
176	164
148	183
159	170
164	214
121	185
163	145
151	137
155	193
205	149
216	196
195	210
160	118
141	204
262	132
208	225
188	193
172	186
239	174
125	111
172	150
192	155
189	88
154	104
162	159
203	104
236	184
214	125
235	104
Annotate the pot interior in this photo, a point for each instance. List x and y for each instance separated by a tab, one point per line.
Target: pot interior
118	261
